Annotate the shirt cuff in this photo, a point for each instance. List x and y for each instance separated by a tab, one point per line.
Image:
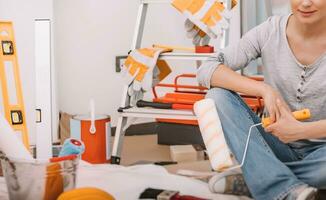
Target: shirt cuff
205	72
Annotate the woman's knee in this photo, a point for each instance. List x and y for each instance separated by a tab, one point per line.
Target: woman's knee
227	103
318	182
220	96
318	179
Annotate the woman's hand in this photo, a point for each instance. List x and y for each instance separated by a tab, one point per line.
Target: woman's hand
286	128
270	96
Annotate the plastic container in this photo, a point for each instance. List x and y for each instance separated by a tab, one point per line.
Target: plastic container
38	180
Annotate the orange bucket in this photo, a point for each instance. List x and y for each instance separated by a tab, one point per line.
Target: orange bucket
96	135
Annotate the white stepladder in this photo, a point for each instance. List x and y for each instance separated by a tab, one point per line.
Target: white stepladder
125	110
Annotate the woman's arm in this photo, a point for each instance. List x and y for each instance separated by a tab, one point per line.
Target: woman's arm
288	129
219	70
314	130
224	77
239	55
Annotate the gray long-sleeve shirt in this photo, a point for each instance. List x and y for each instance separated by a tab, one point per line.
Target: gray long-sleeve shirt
301	86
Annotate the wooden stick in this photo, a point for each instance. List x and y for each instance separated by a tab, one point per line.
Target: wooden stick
192	49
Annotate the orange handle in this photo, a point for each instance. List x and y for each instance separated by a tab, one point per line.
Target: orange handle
177	106
299	115
62	158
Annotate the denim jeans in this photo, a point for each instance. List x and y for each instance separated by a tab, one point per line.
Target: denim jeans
272	169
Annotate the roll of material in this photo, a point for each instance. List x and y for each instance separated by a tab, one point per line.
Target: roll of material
10	144
212	133
72	147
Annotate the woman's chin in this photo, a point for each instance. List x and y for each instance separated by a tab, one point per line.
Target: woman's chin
308	19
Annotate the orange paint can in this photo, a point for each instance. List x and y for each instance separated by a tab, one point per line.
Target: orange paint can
95	132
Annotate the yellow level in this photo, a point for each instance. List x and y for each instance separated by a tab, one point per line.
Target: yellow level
12	95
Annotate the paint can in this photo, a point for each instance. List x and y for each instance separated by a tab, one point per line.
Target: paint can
95	132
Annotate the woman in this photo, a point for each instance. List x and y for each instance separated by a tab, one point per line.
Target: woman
286	160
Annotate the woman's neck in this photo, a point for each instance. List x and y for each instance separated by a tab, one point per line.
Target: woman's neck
310	30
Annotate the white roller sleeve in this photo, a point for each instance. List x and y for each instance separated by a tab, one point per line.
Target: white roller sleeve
212	133
10	144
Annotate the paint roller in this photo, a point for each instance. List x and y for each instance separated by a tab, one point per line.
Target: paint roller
196	49
213	135
211	129
72	146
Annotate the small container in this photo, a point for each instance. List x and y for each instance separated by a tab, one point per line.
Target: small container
38	179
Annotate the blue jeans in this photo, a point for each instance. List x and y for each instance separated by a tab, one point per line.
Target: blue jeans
272	169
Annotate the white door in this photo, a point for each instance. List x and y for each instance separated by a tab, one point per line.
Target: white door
43	89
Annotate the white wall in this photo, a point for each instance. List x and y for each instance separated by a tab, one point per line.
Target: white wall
23	13
88	36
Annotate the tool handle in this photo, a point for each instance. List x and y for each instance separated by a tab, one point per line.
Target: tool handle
299	115
63	158
178	106
142	103
174	47
174	106
302	114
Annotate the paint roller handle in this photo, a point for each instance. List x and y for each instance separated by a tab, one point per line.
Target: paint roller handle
302	114
299	115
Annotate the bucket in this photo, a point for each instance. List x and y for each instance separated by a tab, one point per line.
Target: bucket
38	179
96	135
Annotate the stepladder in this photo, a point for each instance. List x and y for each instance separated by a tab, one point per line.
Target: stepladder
127	113
11	95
